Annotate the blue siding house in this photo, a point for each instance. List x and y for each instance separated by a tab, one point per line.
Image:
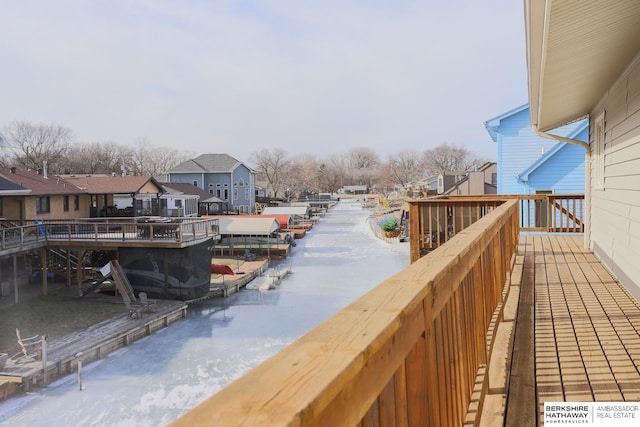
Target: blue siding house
530	164
223	177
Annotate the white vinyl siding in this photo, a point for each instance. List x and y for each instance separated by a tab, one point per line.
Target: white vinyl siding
598	153
615	211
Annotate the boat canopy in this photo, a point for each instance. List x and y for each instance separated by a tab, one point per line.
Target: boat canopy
303	211
254	225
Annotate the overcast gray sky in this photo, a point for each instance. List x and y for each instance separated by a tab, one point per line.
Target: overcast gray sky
316	77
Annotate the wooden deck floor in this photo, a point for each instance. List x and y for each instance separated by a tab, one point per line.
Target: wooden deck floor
586	330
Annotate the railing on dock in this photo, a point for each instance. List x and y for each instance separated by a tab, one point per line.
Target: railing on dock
438	220
20	238
410	352
179	230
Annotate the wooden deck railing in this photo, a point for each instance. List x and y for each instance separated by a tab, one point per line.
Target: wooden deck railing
438	220
107	229
19	239
411	352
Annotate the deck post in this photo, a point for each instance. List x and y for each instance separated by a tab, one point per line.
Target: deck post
15	278
68	268
45	376
43	269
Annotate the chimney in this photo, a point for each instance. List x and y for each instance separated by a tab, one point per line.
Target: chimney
46	174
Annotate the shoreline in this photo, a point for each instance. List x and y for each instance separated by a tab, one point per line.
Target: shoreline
21	374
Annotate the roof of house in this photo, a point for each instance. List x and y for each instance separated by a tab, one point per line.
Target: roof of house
493	125
108	184
9	187
575	53
38	183
524	175
207	163
187	188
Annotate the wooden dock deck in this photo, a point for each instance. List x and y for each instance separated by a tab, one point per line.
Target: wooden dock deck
585	328
93	342
226	285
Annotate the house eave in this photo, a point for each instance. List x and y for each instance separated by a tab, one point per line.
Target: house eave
575	52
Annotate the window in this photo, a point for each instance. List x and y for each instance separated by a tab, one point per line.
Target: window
1	214
65	204
597	152
235	194
226	194
76	203
195	183
246	193
494	178
42	204
178	203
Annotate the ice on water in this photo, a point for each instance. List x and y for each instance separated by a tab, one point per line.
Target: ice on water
155	380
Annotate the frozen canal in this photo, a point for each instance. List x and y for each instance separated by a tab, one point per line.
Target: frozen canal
156	379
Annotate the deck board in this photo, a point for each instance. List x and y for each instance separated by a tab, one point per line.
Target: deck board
587	326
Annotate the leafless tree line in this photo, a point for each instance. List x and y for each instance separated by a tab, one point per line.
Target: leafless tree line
358	166
31	145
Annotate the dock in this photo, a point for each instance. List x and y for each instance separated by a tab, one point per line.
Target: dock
227	285
88	345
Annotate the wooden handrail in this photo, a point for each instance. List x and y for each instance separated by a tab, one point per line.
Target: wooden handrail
406	353
437	220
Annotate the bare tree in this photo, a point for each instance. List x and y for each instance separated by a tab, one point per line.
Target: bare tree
273	166
83	159
138	162
160	160
447	158
34	144
363	166
384	180
331	173
113	157
363	158
303	174
406	167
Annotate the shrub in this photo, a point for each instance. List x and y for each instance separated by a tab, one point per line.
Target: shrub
388	224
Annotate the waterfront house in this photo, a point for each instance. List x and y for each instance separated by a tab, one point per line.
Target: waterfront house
32	195
8	190
531	164
354	189
222	176
179	199
117	195
206	204
482	180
